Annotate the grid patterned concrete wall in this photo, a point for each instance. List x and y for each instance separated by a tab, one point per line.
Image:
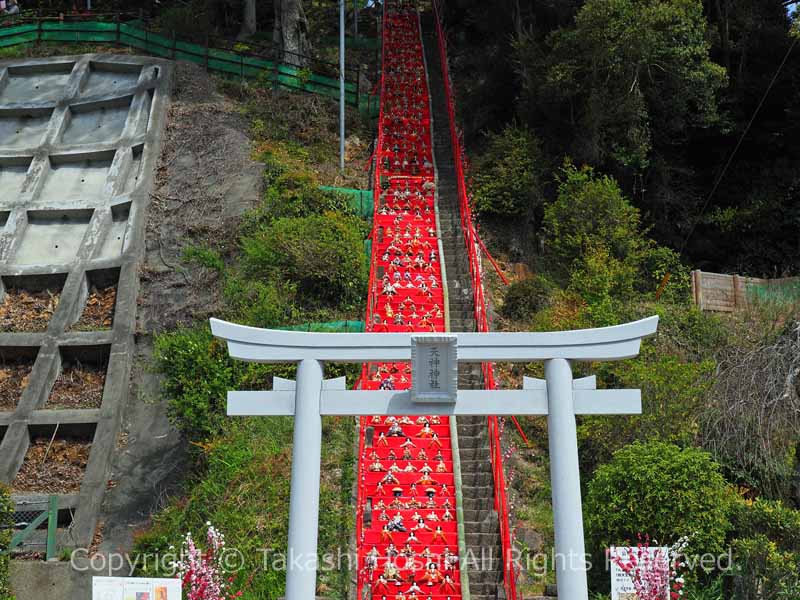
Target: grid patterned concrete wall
79	137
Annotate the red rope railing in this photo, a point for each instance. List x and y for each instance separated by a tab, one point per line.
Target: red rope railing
474	248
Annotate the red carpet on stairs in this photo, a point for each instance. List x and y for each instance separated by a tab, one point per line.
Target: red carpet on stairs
408	550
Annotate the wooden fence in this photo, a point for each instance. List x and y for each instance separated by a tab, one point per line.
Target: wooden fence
727	293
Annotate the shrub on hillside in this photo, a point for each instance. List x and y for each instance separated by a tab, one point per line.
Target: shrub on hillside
772	518
661	490
291	187
508	176
590	211
763	571
673	394
526	297
598	248
259	302
604	281
6	530
322	254
198	375
244	491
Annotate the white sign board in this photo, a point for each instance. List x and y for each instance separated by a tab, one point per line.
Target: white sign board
621	583
434	368
135	588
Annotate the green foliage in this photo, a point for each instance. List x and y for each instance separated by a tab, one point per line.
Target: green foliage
188	21
323	254
6	531
662	490
656	263
604	282
245	493
292	188
673	393
525	297
685	331
590	212
772	518
764	572
508	177
598	249
632	71
199	374
205	257
261	302
705	590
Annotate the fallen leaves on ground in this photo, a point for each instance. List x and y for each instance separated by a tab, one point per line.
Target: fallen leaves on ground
13	379
28	312
78	386
55	468
98	313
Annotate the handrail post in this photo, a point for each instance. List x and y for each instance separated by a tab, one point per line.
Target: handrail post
52	527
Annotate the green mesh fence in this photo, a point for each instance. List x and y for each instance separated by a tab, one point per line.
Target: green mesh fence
360	200
329	327
778	292
135	35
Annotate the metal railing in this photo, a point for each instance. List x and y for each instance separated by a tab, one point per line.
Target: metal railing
29	517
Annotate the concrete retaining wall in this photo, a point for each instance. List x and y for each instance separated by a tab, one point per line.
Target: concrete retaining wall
79	137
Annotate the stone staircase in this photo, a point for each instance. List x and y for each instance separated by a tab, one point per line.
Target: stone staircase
481	524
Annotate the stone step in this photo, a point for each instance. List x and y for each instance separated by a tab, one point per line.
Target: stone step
480	519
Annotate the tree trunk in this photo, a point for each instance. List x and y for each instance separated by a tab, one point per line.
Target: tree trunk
723	23
291	32
248	19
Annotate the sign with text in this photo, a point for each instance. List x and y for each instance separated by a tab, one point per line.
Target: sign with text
622	587
135	588
434	368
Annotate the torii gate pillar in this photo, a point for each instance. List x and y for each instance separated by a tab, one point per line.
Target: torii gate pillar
304	500
565	479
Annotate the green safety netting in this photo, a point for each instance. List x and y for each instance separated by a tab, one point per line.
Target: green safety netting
329	327
784	292
360	200
135	35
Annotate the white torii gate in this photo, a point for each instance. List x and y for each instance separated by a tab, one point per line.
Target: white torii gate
434	382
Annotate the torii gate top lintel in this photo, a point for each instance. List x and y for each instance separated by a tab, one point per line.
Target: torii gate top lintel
272	345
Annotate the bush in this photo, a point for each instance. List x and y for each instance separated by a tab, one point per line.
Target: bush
260	303
779	523
657	262
508	176
673	393
205	257
291	187
763	571
590	211
198	375
322	254
662	490
604	282
526	297
6	531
